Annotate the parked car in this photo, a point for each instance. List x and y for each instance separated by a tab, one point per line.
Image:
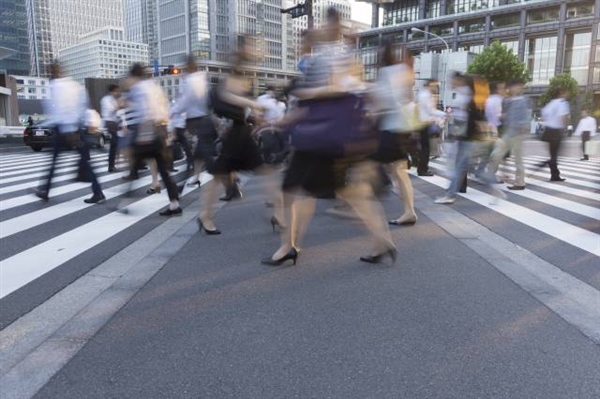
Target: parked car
39	137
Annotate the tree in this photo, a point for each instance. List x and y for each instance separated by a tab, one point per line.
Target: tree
563	81
497	63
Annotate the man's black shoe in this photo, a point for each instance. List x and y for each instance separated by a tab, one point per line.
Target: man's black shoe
557	179
515	187
95	199
112	170
171	212
43	195
428	173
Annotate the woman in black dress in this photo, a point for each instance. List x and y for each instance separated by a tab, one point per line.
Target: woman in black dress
239	151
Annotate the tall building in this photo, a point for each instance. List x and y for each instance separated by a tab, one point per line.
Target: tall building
550	36
32	87
102	53
212	29
14	41
57	24
140	24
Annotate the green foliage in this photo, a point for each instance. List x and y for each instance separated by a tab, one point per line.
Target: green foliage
558	83
496	63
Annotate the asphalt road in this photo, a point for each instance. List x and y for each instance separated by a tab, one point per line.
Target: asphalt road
447	321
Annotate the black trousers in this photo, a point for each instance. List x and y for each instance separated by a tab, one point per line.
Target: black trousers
112	128
66	139
554	139
423	163
187	148
585	137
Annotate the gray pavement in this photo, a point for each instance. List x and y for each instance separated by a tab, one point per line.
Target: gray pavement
442	323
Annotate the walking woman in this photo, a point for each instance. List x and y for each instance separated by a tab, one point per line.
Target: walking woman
327	84
239	151
392	90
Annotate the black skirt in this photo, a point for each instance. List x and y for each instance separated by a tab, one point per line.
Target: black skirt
206	134
315	174
239	151
392	147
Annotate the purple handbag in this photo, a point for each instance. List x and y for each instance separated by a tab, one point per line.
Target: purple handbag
330	125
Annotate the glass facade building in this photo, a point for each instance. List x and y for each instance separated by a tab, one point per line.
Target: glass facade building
550	36
57	24
13	37
140	24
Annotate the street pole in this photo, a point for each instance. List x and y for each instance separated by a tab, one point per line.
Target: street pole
309	15
444	69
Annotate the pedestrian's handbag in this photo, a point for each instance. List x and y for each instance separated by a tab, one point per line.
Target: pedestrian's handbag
434	130
224	109
329	125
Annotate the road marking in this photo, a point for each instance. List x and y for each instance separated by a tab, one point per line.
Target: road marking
34	166
573	235
36	218
544	184
589	165
46	166
45	172
28	265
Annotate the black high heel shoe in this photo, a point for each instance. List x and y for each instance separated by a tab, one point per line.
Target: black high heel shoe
276	223
291	255
392	252
208	232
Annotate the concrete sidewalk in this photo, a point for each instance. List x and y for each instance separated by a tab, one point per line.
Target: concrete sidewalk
442	323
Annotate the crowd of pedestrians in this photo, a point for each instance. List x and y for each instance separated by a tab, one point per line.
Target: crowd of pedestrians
328	134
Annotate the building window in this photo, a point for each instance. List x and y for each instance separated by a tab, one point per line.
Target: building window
540	56
506	21
511	45
541	16
580	10
577	55
471	26
433	9
442	30
401	12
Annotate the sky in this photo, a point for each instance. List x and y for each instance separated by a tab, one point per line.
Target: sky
361	11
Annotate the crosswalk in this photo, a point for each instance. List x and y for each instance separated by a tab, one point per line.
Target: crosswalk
567	211
37	237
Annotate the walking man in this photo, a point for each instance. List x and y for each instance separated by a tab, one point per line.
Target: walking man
516	117
556	117
586	128
66	109
109	106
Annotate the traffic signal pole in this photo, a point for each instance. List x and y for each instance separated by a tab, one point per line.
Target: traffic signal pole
301	10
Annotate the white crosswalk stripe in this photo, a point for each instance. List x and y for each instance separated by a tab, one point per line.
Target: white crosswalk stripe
20	174
578	196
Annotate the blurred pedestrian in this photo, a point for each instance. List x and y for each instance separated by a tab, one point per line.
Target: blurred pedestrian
393	89
239	152
66	111
555	116
429	115
586	128
109	105
147	127
327	92
516	123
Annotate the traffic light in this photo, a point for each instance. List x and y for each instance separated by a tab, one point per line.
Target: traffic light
171	70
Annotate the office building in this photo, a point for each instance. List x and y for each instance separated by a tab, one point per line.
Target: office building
54	25
14	41
140	24
102	53
212	29
550	36
32	87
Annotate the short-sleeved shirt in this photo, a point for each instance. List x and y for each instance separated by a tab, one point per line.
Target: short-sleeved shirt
554	113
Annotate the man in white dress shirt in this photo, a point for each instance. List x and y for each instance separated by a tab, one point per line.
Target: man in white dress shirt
586	128
109	105
556	117
428	115
66	110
